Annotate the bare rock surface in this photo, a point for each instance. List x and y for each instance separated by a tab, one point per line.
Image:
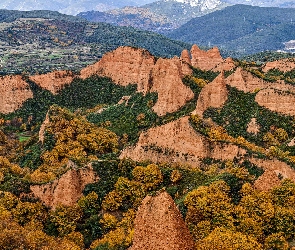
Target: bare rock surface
53	81
14	91
267	181
245	81
277	100
186	57
213	95
178	142
283	65
167	82
205	60
67	189
227	65
125	65
253	127
273	169
159	225
42	129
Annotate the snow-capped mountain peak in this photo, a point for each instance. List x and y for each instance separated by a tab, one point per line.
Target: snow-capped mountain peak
204	4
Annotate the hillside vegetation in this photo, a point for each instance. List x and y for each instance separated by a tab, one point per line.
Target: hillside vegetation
80	133
242	28
43	41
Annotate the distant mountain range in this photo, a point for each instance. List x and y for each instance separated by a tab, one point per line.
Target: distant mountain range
265	3
73	7
161	16
243	28
70	7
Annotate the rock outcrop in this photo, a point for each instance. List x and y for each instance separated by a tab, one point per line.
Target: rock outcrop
267	181
54	81
186	62
128	65
42	129
125	65
245	81
67	189
283	65
14	91
167	82
273	169
277	100
253	127
159	225
213	95
178	142
186	57
227	65
205	60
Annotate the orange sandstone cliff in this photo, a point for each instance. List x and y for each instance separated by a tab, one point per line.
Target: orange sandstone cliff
178	142
205	60
282	65
127	65
213	95
159	225
167	82
67	189
53	81
14	91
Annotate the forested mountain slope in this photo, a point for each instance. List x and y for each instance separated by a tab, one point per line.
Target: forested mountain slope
243	28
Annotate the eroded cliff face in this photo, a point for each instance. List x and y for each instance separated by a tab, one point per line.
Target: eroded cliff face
66	190
267	181
213	95
283	65
245	81
125	65
128	65
273	170
178	142
277	100
205	60
54	81
227	65
167	82
14	91
159	225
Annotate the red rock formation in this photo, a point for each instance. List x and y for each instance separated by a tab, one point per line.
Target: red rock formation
267	181
205	60
43	128
159	225
178	142
277	101
283	65
167	82
53	81
67	189
276	166
227	65
253	127
213	95
14	91
245	81
185	56
125	65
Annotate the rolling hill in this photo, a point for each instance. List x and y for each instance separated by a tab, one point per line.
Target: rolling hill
243	28
45	40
